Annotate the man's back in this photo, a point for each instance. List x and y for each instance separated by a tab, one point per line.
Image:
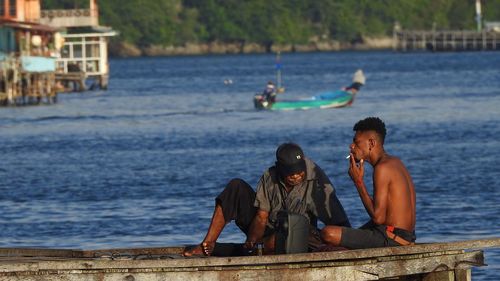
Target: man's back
392	175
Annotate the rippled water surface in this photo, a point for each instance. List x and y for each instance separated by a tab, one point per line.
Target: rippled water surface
139	165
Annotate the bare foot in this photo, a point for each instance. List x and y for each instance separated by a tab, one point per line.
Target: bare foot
193	251
208	247
203	249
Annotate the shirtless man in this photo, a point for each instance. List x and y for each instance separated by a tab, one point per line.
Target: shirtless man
392	208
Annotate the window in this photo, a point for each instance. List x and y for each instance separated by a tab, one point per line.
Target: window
77	51
9	41
92	50
2	8
65	52
12	8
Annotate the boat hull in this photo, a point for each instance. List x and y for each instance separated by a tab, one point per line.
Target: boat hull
325	100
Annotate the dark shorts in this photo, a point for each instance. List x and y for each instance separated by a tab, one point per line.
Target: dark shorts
371	235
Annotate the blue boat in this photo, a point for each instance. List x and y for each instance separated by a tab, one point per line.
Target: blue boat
331	99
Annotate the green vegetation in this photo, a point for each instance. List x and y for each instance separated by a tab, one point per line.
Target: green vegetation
175	22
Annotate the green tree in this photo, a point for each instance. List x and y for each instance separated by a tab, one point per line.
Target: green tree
142	22
166	22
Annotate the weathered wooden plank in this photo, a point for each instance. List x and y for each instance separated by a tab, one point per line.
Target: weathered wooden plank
130	252
425	265
393	252
39	252
440	276
330	274
78	78
372	269
456	275
156	257
277	261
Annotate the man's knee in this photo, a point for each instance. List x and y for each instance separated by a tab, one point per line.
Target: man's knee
236	182
239	184
331	234
235	191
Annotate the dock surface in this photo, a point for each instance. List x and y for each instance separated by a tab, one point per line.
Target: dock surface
434	261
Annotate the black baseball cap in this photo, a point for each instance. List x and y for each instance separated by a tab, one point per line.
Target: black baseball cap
290	159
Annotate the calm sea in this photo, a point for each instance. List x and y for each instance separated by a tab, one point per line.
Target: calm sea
139	165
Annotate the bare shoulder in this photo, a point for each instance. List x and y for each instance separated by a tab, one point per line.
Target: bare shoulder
389	165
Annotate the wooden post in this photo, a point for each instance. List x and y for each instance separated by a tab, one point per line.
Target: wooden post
494	41
439	276
394	39
433	40
103	82
3	83
464	42
446	41
449	275
453	41
484	47
463	274
424	41
413	39
405	41
16	84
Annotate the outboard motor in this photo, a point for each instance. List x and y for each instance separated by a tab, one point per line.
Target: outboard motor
292	233
260	102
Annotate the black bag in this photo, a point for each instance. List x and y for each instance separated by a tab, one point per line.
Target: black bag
292	233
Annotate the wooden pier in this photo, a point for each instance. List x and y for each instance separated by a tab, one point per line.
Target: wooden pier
427	262
71	81
446	40
43	52
27	55
20	87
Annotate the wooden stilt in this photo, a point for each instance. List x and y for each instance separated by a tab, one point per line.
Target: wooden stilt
19	87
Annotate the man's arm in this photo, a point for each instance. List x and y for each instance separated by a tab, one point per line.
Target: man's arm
356	172
376	207
257	228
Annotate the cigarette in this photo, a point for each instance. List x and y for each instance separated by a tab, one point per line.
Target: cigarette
348	156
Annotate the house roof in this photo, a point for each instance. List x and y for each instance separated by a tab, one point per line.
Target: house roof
27	25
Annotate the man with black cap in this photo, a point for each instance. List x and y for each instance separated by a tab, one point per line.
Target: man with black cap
294	184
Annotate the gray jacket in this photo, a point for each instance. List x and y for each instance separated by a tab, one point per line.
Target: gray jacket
315	198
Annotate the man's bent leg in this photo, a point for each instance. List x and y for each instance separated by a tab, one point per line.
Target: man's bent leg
216	226
352	238
332	235
235	202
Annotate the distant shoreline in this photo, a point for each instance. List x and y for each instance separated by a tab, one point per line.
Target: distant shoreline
123	49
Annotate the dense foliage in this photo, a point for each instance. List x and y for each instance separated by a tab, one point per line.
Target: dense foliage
174	22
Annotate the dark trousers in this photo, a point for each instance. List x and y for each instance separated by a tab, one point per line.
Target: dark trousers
236	201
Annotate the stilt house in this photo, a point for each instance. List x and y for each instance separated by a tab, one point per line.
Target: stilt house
28	53
84	54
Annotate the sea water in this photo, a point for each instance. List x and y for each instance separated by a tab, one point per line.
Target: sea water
139	165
